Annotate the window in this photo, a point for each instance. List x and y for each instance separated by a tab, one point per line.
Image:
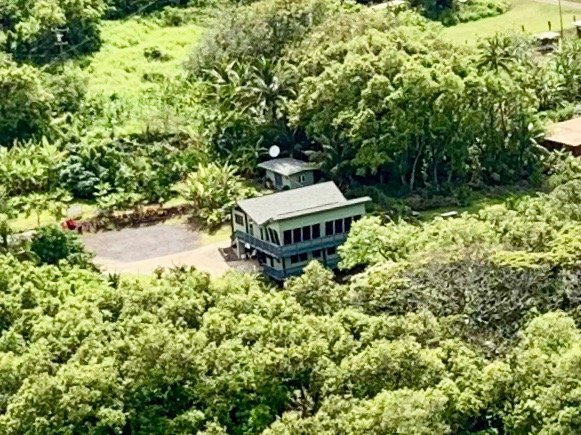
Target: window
317	253
347	224
288	237
316	232
307	233
329	228
299	258
302	178
339	226
297	235
238	219
274	237
356	218
262	234
331	251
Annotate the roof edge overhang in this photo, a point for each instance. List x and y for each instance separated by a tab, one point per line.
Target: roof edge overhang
348	203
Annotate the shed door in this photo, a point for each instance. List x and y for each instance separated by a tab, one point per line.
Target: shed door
278	180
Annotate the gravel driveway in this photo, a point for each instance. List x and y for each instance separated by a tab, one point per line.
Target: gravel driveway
143	243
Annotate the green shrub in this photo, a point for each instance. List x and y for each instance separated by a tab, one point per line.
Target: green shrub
26	104
51	244
148	166
451	12
29	168
156	53
31	98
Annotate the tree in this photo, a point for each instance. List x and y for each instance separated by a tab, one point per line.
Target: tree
54	203
30	167
31	31
259	30
25	105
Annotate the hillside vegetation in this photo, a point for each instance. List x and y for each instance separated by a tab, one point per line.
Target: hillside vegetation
430	326
475	334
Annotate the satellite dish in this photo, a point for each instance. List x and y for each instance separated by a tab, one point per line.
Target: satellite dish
274	151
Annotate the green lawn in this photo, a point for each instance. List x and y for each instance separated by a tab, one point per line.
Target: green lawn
533	15
26	223
121	67
478	201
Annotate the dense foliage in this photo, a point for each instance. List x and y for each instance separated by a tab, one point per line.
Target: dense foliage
30	29
449	326
376	96
451	12
545	223
122	8
184	354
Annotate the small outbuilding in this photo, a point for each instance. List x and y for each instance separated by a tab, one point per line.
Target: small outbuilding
565	135
548	41
288	173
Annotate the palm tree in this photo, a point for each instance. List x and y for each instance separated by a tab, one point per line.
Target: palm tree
503	53
265	93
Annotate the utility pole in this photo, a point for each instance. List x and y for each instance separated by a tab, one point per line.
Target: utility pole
61	43
561	19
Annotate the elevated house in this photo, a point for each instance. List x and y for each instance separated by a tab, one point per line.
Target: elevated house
288	173
565	135
286	230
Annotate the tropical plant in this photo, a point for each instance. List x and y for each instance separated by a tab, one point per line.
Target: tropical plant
30	167
52	203
212	191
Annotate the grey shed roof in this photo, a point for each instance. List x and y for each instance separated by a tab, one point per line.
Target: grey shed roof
286	166
566	133
296	202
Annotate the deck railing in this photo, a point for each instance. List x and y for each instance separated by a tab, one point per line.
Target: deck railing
295	248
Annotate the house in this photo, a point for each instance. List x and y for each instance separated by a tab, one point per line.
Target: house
286	230
288	173
565	135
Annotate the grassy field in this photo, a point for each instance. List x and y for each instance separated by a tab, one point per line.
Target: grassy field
478	201
121	66
531	14
27	223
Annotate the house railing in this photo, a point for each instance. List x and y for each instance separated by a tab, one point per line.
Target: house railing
295	248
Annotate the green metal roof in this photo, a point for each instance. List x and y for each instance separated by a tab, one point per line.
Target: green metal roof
296	202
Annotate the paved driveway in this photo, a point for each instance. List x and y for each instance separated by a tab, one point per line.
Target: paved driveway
206	258
139	251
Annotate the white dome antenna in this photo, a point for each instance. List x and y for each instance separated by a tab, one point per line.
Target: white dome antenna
274	151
